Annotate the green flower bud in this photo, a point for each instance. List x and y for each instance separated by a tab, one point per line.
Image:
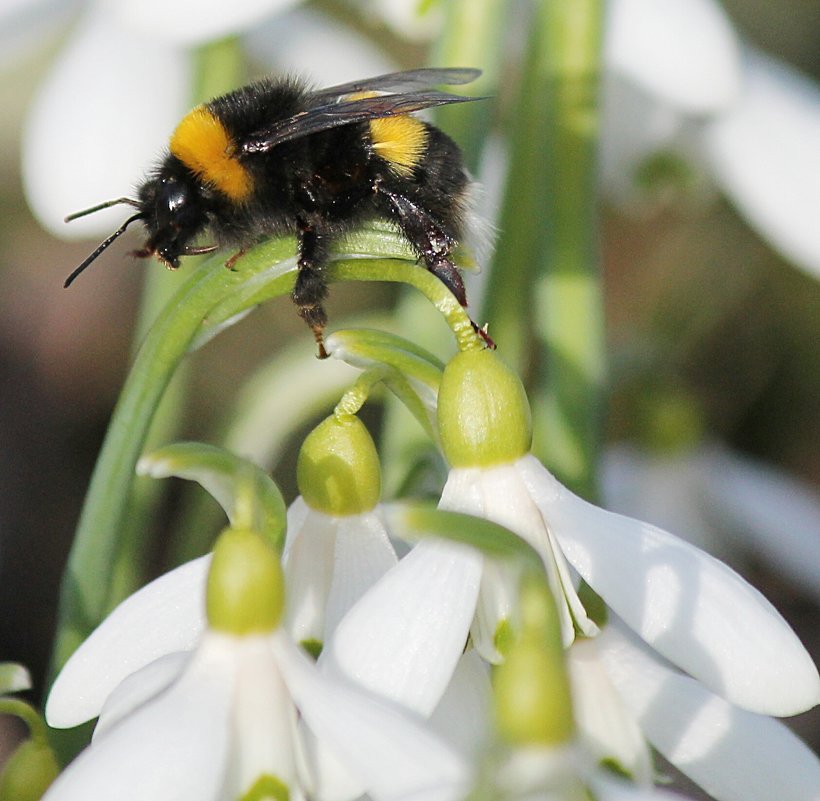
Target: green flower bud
338	470
246	588
483	411
532	698
28	772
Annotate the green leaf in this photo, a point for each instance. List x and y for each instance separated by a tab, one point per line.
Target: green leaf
249	496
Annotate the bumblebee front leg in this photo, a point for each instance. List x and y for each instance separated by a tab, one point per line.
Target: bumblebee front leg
426	236
310	288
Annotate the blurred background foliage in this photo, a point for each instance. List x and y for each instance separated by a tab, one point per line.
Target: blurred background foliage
695	301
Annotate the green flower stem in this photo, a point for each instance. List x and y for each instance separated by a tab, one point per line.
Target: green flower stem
522	224
412	374
354	398
218	67
417	520
85	593
473	36
567	387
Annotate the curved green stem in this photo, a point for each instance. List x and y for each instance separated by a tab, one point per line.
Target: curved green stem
28	714
356	396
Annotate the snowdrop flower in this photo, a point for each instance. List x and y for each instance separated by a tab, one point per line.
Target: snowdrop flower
689	607
731	505
623	694
679	80
337	544
222	724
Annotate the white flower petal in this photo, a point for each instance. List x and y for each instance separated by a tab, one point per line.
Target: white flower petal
605	726
137	688
381	744
172	749
764	153
28	25
106	110
733	754
313	45
194	21
463	716
165	616
689	606
308	566
685	51
403	638
362	556
608	788
499	495
776	515
264	718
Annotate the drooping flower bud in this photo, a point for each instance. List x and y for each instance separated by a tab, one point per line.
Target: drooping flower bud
338	470
483	412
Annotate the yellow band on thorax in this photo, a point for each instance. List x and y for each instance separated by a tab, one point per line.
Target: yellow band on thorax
202	144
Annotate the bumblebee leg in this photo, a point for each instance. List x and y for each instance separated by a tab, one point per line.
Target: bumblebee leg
229	264
426	236
310	288
434	246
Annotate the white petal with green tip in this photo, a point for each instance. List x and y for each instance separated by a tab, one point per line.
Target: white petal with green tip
690	607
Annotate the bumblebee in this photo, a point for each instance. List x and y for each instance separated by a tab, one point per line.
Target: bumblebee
276	158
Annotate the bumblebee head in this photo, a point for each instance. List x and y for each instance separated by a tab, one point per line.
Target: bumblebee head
170	205
173	209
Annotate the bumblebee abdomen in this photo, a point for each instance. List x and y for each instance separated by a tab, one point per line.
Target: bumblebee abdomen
401	141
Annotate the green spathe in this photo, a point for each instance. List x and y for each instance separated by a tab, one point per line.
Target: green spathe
338	470
483	411
246	588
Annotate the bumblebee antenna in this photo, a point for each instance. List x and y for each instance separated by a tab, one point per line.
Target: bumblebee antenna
101	206
104	244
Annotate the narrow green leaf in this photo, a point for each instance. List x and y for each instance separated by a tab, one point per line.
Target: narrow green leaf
570	362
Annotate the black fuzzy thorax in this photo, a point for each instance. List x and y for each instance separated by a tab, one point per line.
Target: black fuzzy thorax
324	180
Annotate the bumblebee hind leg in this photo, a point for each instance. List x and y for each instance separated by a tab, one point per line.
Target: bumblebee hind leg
434	246
310	288
429	240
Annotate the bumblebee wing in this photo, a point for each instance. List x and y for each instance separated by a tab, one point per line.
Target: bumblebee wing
344	112
400	82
